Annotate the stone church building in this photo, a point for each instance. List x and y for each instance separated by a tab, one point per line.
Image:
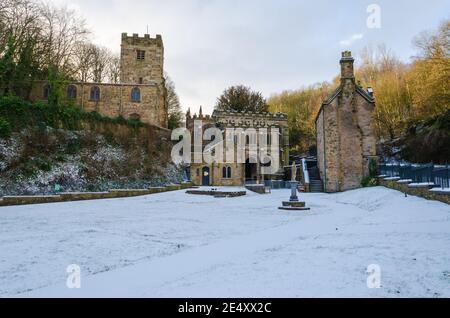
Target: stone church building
141	93
346	141
238	174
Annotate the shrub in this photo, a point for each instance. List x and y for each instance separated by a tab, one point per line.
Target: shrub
20	113
373	167
5	128
368	181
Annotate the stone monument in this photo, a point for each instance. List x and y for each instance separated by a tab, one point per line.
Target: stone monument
294	204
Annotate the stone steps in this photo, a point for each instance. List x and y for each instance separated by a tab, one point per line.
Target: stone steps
316	186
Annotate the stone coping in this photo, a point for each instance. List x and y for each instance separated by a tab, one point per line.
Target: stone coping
445	191
257	188
424	185
392	179
222	194
426	191
81	196
7	197
128	190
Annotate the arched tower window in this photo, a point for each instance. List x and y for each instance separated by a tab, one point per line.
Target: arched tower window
229	172
46	91
95	93
72	92
136	95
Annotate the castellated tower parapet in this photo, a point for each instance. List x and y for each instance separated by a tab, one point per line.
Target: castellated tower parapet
142	59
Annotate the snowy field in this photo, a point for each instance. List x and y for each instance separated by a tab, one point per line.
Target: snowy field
178	245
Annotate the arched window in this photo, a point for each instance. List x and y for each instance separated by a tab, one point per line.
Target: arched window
46	91
72	92
226	172
95	93
136	95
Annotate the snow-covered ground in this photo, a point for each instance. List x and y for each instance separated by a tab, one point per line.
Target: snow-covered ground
178	245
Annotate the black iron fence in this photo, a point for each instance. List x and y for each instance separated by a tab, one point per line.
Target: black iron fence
419	173
273	184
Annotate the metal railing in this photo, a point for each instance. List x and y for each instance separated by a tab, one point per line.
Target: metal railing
438	175
277	184
273	184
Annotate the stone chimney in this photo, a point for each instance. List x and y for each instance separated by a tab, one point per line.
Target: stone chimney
347	69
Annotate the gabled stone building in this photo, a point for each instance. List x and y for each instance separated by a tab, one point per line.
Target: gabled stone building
346	141
141	93
238	174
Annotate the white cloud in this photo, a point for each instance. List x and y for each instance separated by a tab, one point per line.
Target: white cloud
352	39
268	45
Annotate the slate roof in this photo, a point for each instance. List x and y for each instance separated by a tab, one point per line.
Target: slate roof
338	91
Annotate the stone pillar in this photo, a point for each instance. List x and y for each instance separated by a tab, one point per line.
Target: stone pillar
285	146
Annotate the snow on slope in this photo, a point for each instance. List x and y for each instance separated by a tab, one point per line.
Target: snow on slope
176	245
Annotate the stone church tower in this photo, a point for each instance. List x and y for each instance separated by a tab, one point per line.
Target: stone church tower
346	142
141	93
141	59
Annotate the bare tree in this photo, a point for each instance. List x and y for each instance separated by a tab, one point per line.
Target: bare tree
173	104
114	69
82	60
63	30
100	61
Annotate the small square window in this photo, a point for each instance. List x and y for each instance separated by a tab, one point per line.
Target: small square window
140	55
141	80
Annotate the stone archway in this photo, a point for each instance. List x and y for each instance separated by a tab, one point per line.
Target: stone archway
251	171
206	176
135	116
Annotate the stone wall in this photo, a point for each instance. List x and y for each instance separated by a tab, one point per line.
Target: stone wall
81	196
146	75
151	68
345	134
115	100
216	174
423	192
237	120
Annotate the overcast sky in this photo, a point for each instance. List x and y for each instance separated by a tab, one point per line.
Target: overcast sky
269	45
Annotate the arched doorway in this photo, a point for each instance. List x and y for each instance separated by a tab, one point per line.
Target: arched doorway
205	176
135	116
251	173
